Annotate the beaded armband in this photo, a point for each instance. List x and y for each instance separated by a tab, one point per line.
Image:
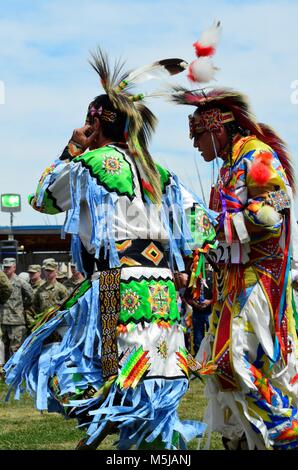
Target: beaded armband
279	200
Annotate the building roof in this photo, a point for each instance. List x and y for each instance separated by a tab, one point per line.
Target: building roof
36	238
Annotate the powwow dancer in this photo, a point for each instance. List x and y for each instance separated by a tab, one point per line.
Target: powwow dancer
113	354
249	354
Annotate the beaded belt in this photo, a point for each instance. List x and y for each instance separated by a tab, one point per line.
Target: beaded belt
137	252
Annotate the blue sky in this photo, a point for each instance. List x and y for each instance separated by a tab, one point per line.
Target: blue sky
44	49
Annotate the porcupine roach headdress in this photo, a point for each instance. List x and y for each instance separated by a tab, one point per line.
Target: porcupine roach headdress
140	121
218	106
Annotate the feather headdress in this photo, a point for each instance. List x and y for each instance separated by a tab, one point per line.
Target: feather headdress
222	105
226	99
140	120
221	98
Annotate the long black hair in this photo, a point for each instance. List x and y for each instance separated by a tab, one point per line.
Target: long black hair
112	120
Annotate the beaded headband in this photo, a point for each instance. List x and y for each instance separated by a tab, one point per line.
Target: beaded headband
209	120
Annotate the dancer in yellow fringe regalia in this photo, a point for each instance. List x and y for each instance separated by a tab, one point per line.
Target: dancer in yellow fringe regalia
249	354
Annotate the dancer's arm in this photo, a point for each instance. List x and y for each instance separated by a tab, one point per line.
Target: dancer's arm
53	193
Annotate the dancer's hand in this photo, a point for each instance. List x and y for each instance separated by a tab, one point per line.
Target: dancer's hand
83	137
180	280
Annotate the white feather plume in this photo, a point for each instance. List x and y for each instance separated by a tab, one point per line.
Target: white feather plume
211	36
202	70
267	215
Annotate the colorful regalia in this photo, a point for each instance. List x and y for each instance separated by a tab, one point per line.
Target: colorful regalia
249	356
113	354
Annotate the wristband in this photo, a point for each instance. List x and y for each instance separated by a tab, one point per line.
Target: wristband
72	150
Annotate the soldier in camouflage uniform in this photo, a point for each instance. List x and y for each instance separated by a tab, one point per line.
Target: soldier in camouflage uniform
5	288
5	292
74	280
51	292
12	318
44	262
36	281
62	277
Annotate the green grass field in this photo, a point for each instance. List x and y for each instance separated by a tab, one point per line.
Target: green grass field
24	428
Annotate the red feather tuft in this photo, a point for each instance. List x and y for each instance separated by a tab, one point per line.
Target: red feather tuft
260	173
265	158
270	137
203	51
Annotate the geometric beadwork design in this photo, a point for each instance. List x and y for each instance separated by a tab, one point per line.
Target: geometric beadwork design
148	300
162	349
109	301
152	253
221	352
224	368
159	299
130	262
122	246
130	301
262	384
112	165
279	200
273	269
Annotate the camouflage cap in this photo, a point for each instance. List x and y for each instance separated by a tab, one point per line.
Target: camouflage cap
47	260
7	262
50	265
25	276
61	274
34	268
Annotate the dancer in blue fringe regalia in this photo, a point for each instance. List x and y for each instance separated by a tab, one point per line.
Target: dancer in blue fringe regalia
113	355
